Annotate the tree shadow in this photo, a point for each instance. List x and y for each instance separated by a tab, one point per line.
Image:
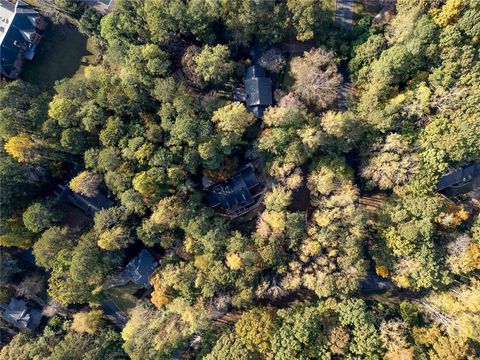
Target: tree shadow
60	54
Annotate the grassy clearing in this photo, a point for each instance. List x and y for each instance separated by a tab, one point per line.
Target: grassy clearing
62	53
90	59
123	296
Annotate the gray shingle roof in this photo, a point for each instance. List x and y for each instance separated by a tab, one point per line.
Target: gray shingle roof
234	195
140	269
460	177
258	90
254	71
90	205
16	23
17	313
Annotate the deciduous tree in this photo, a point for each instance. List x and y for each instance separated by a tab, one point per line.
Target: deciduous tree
316	78
213	63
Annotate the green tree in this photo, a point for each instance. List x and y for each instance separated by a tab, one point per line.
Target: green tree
366	342
89	264
303	14
14	233
22	109
18	348
391	163
74	140
255	329
153	334
20	183
38	217
105	344
300	335
90	22
133	201
116	238
213	63
52	242
86	183
229	346
278	199
233	118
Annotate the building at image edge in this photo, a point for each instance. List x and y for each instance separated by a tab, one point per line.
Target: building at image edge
20	27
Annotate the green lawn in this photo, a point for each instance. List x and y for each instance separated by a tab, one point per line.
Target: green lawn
123	296
62	52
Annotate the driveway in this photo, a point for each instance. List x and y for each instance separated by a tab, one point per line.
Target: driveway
113	312
344	14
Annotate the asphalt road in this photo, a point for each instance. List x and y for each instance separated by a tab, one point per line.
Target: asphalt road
344	14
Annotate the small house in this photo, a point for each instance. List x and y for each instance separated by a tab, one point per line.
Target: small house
258	90
257	93
140	269
18	314
89	205
20	25
237	195
461	180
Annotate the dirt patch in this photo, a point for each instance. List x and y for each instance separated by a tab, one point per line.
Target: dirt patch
73	217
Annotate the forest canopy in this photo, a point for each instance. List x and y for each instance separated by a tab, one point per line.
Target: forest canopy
352	251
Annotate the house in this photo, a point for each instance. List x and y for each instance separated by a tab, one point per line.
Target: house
18	314
258	89
20	25
461	180
89	205
257	93
140	269
237	195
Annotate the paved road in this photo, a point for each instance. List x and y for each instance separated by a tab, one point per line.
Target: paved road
344	14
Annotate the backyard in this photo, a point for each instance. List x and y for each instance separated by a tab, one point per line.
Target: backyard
123	296
62	52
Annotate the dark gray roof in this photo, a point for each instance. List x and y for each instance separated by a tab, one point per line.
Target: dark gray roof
230	194
254	71
140	269
258	90
90	205
460	177
16	23
234	195
18	314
